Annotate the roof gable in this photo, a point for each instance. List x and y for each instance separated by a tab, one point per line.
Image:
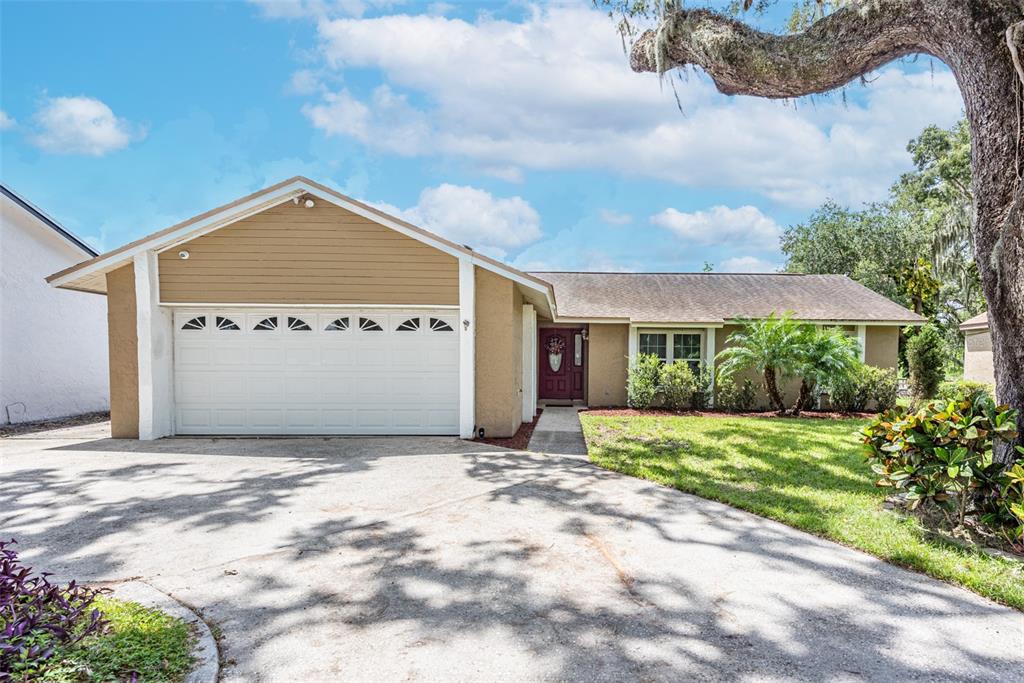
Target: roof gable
89	274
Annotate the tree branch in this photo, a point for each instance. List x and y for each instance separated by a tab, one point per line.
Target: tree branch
836	49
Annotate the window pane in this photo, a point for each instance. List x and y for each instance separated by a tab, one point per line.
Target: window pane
577	353
656	344
686	347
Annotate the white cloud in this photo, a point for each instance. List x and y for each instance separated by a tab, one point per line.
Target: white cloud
748	264
303	82
554	91
82	125
6	122
319	9
722	225
468	215
510	174
612	217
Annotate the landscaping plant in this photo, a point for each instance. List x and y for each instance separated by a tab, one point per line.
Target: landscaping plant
963	390
942	456
822	356
643	380
38	617
925	361
854	391
768	346
678	385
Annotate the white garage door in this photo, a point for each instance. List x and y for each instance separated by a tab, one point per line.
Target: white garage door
373	371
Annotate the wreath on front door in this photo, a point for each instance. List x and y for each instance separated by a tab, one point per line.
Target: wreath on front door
556	345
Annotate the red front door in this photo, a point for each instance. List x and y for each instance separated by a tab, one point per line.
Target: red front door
561	357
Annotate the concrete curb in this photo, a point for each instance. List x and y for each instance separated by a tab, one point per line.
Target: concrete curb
207	660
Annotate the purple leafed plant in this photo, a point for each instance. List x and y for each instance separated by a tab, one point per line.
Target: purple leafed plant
37	616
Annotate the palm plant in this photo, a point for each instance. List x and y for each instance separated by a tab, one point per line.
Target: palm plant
823	356
769	346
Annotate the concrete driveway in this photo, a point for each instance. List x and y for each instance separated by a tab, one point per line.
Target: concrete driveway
432	558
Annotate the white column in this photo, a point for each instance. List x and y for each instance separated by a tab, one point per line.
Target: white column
154	340
862	339
709	359
467	348
634	343
529	362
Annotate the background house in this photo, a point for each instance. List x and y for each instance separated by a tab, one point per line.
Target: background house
978	364
53	342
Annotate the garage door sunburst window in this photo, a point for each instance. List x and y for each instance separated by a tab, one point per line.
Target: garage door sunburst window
368	325
338	325
266	325
197	323
298	325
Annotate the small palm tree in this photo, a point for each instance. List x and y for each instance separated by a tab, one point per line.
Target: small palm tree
823	355
769	346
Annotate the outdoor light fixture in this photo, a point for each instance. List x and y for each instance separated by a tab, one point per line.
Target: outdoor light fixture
183	255
585	334
465	324
310	203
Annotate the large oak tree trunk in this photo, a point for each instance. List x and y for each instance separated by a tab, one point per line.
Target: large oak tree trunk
977	39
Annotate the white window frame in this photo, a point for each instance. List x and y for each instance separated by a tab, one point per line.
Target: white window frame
670	341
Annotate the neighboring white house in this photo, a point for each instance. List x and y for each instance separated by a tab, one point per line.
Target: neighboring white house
53	342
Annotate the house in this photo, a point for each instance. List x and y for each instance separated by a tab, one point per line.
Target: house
297	310
978	364
53	343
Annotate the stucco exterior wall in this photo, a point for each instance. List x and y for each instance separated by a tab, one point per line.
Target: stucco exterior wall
498	352
978	362
607	364
53	342
881	346
323	255
124	353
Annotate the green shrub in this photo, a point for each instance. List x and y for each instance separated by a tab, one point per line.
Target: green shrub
746	397
643	380
963	390
732	397
856	390
701	397
882	386
925	361
942	455
678	386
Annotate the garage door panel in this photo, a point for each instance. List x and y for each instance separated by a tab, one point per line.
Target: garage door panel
332	378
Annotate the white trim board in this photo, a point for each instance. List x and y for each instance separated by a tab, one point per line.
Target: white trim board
453	307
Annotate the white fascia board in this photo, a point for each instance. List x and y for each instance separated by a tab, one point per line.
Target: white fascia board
664	325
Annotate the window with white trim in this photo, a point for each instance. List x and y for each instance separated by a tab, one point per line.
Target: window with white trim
686	347
674	345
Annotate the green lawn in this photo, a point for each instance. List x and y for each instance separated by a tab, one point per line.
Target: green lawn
807	473
156	646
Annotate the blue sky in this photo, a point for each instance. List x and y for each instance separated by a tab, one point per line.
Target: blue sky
514	127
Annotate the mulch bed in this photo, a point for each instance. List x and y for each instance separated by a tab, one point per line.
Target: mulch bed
518	441
55	423
663	412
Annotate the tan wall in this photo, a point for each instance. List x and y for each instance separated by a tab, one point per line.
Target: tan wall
607	363
124	353
326	255
499	355
881	347
978	362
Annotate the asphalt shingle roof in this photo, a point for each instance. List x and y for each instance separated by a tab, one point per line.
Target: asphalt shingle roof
717	297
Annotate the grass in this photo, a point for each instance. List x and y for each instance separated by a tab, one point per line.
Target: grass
807	473
148	642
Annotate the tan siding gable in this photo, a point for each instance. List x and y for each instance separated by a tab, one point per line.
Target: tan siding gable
324	255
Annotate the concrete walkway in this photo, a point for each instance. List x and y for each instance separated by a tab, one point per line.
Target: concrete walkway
559	432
